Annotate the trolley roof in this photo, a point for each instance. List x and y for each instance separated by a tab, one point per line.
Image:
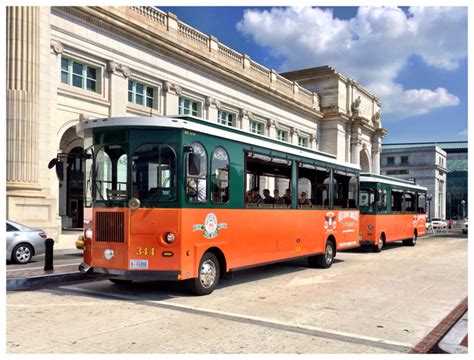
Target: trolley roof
190	123
375	178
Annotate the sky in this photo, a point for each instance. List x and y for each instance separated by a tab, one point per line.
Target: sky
414	59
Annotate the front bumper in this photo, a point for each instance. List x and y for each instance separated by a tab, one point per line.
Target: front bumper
149	275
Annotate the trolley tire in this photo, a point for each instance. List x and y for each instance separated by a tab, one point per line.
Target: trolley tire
120	281
208	275
323	261
412	241
378	248
22	254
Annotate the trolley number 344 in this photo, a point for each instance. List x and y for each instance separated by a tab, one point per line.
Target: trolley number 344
145	251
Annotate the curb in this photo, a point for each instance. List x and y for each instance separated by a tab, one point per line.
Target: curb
26	283
430	341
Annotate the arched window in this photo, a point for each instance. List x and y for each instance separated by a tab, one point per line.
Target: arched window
220	176
196	174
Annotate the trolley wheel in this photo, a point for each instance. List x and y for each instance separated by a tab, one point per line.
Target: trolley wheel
22	254
120	281
378	248
325	260
208	275
412	241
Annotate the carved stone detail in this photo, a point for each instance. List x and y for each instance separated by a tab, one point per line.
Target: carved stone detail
376	119
57	47
170	87
209	101
118	69
356	104
83	117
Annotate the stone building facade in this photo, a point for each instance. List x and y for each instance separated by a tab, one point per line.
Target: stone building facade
67	64
426	165
456	163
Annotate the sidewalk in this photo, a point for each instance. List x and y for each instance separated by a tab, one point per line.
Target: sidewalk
67	240
28	278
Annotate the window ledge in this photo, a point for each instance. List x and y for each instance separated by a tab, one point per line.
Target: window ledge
142	110
71	91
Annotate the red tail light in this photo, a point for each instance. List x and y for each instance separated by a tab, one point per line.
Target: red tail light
43	235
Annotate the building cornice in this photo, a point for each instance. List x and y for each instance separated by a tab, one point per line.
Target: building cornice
153	28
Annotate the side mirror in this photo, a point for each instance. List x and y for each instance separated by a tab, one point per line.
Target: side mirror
55	162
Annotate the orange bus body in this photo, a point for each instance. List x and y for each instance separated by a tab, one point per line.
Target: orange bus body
391	227
245	237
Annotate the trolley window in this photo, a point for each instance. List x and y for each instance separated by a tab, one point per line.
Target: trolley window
154	173
196	174
345	190
220	176
111	173
88	176
421	203
367	201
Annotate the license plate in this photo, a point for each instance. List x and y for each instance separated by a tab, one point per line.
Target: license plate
138	264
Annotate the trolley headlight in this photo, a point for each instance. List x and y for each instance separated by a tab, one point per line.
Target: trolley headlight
370	227
109	254
170	237
133	203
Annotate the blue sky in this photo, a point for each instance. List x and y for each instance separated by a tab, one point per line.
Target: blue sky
413	59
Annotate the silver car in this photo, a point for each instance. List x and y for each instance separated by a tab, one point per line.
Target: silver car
23	242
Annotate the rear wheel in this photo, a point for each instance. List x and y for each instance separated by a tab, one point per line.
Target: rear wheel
208	275
22	254
378	248
412	241
325	260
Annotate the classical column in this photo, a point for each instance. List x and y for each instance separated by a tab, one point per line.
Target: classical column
118	86
172	92
22	97
212	108
245	116
376	149
271	128
355	150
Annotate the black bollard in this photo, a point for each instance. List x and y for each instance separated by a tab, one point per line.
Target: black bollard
48	254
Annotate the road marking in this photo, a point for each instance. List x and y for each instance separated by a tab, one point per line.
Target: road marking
248	319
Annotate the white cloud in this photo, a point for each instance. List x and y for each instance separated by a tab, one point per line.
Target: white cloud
372	47
462	133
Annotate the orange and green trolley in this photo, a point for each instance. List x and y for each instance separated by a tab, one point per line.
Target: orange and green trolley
391	210
181	198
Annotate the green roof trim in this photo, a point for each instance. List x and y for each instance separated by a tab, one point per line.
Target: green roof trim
445	145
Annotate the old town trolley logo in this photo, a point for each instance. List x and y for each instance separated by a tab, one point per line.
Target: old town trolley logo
211	228
330	223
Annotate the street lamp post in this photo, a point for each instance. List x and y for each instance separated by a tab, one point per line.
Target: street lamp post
463	207
429	197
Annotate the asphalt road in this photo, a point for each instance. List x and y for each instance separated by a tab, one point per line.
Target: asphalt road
365	303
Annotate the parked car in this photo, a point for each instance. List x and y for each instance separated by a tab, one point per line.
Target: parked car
23	242
438	223
464	227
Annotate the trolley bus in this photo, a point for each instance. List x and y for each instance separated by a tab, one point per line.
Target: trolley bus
180	198
391	209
